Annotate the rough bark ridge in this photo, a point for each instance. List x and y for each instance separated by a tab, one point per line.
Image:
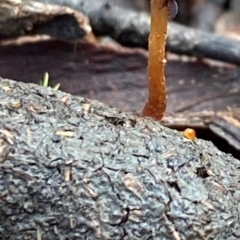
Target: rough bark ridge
75	169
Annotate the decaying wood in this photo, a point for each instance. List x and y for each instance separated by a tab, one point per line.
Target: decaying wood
69	64
131	28
93	70
19	18
73	168
225	124
117	75
187	41
124	25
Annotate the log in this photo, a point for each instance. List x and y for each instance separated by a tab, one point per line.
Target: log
73	168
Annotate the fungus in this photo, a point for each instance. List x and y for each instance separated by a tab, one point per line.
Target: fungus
189	133
161	12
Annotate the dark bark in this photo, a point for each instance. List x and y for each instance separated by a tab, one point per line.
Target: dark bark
131	28
18	18
187	41
71	168
224	124
128	27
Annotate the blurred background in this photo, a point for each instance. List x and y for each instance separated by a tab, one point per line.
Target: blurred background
219	16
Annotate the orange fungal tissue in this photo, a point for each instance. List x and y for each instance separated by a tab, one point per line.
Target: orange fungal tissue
161	11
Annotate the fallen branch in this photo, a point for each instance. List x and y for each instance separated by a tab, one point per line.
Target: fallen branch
132	28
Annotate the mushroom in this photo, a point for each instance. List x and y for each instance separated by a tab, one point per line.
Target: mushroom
161	12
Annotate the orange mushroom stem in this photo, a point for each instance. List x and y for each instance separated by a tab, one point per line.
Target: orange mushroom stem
161	11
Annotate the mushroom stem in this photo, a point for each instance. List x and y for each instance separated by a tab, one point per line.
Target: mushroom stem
156	105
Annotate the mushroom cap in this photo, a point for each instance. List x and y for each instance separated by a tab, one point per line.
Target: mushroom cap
172	9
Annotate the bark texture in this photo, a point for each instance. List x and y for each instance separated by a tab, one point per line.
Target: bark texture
71	168
19	17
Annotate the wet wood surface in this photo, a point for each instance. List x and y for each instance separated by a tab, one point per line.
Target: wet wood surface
118	76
